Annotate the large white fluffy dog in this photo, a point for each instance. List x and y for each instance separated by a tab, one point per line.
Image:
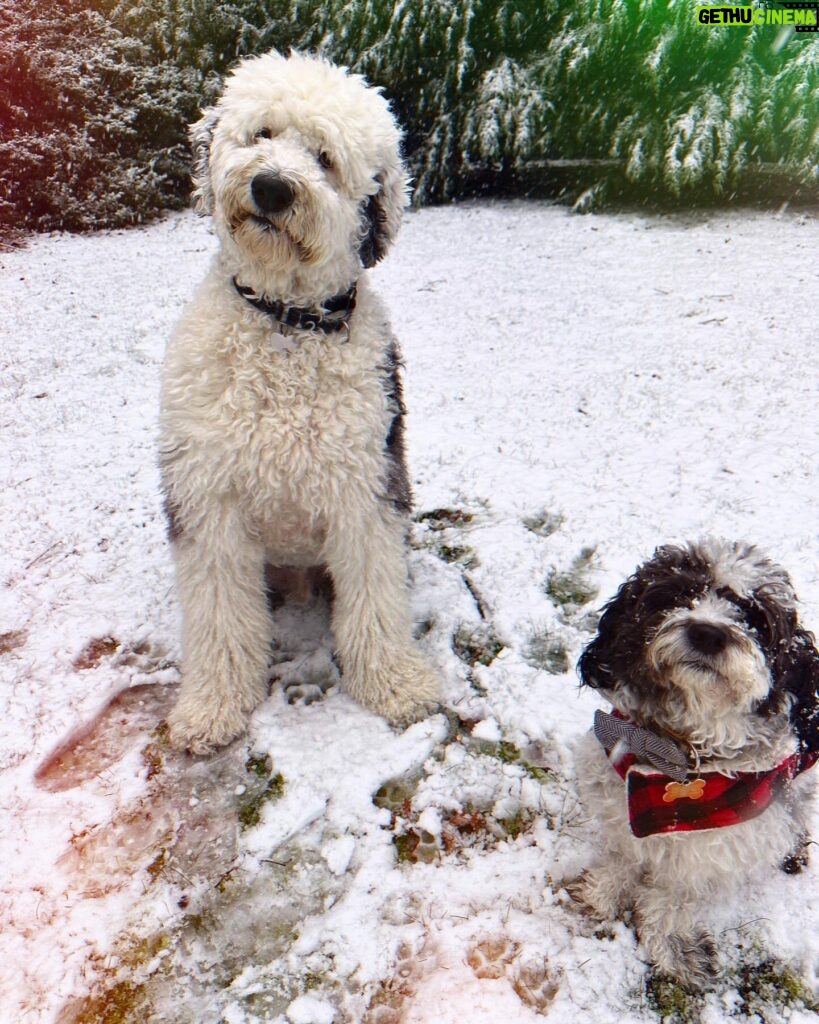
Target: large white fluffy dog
697	778
281	422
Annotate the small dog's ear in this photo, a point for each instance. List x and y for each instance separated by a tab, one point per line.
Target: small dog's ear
592	665
595	663
201	136
611	661
796	672
382	213
598	660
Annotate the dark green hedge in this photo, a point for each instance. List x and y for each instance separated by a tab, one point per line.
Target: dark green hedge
96	96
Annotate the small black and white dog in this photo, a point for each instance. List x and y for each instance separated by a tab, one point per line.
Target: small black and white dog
696	778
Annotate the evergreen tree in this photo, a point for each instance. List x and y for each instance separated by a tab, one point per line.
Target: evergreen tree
98	93
91	130
96	100
208	35
487	88
466	78
687	108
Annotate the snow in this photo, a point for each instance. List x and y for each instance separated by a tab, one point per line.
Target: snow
614	382
307	1010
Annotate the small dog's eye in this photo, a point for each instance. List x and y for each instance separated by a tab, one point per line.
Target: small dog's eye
325	160
262	133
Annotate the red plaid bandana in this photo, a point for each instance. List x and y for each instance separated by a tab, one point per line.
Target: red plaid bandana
658	804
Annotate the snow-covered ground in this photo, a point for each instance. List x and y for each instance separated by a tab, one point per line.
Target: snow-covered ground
581	389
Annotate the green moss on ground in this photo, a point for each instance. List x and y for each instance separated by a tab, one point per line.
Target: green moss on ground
457	553
544	523
548	652
260	765
442	518
479	646
573	588
508	753
773	983
252	801
670	1001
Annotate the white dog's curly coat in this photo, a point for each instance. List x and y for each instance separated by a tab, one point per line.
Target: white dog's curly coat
700	647
283	445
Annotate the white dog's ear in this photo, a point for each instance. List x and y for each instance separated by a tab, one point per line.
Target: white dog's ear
201	136
382	213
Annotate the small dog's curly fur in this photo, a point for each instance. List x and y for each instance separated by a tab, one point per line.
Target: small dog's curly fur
282	445
703	645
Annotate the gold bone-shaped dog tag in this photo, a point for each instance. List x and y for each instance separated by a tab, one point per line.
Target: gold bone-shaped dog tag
677	790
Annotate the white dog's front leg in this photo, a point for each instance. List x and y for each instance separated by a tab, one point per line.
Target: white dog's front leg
226	632
381	666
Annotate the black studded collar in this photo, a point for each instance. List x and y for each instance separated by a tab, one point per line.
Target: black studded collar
332	315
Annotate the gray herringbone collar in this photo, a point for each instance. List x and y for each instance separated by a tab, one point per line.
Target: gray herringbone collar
616	731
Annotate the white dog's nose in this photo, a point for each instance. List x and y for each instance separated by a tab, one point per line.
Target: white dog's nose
271	192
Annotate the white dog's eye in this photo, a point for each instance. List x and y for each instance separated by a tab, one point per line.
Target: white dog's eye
262	133
325	160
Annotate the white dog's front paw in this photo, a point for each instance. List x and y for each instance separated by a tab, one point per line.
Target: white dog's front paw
403	691
201	733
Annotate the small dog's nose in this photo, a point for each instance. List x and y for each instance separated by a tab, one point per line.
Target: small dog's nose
706	637
271	192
